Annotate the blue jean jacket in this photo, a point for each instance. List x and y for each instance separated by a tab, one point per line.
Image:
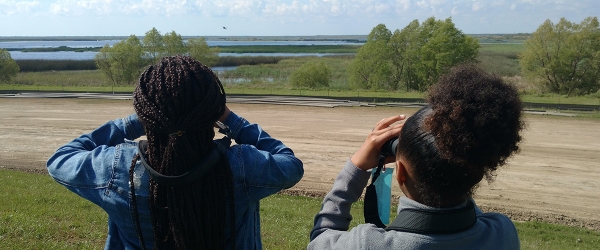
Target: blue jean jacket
96	167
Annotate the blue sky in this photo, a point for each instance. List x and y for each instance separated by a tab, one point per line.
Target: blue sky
276	17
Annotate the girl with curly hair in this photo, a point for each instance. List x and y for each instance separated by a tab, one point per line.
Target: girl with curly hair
469	128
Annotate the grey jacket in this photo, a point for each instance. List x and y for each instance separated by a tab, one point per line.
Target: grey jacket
330	231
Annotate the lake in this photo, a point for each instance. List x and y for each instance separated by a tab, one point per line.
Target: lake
89	55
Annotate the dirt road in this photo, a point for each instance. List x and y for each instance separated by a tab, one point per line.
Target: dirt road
555	177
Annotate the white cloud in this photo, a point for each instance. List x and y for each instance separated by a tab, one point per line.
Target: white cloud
105	7
228	7
477	6
58	9
382	8
543	2
310	16
82	7
498	3
260	9
403	5
277	8
336	7
422	4
17	7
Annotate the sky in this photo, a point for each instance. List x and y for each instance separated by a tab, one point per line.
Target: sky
277	17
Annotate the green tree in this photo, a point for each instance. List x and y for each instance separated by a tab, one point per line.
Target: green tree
174	44
122	62
440	45
404	55
371	68
312	74
8	66
154	46
199	50
103	60
415	56
565	57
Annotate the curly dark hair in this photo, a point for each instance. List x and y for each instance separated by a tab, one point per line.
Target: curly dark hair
470	127
179	94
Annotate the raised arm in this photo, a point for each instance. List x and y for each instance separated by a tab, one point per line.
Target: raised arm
268	164
86	162
334	218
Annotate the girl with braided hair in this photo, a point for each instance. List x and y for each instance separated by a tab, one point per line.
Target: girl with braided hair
180	188
469	128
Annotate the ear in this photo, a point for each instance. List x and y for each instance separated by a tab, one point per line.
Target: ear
401	173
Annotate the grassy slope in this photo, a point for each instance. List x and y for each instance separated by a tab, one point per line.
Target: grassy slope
38	213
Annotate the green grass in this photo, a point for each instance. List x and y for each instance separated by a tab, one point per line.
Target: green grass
229	90
271	77
499	63
286	220
83	78
323	93
501	58
503	47
538	235
276	75
561	99
95	89
290	49
38	213
282	90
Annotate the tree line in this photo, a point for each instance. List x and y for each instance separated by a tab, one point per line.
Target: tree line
564	58
124	61
413	57
8	66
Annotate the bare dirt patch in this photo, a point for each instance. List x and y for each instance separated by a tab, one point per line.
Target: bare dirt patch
555	177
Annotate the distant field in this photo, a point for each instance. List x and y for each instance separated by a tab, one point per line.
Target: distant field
502	47
290	49
484	38
270	74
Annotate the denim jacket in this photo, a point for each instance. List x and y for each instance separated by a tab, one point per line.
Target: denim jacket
96	167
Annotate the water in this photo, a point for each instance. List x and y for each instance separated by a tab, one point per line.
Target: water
249	43
59	55
89	55
56	44
220	69
101	43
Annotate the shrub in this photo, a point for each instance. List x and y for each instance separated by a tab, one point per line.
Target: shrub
312	74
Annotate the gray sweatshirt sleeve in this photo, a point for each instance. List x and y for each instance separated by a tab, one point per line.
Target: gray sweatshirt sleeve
335	210
330	231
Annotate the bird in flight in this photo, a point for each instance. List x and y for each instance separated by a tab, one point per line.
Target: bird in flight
224	27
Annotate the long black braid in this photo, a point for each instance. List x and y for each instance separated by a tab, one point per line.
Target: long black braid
178	101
